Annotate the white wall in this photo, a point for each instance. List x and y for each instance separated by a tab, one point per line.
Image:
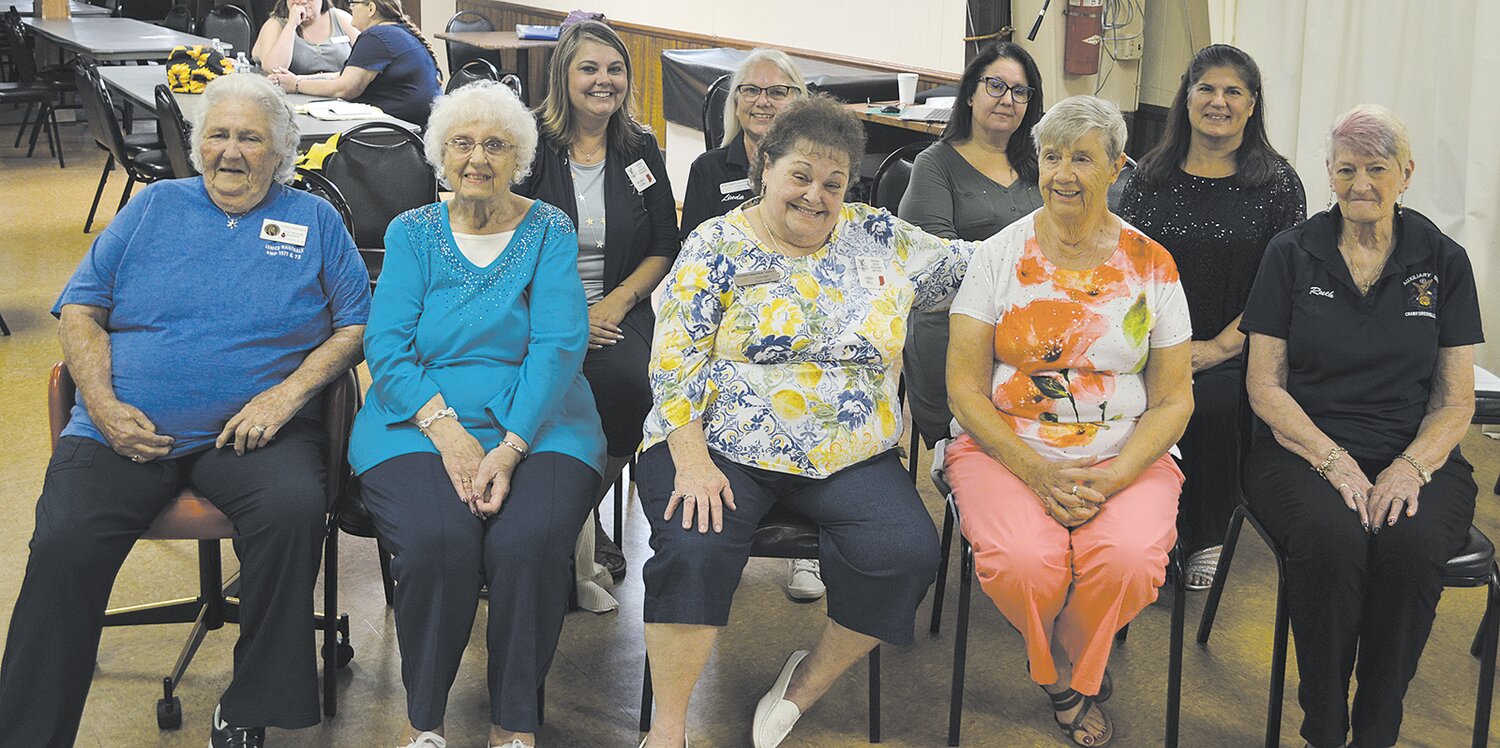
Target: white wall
921	34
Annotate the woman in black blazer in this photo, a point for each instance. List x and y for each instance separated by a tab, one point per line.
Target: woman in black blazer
606	171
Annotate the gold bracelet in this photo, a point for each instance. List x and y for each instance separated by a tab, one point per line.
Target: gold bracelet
1333	456
1422	470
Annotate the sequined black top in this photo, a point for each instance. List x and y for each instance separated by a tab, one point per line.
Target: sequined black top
1216	230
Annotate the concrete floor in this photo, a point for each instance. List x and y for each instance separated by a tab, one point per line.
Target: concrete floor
594	686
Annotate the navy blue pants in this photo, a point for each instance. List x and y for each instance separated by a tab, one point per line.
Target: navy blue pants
95	504
877	543
1350	592
441	554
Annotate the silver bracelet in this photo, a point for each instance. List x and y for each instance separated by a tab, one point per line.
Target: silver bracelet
515	447
423	424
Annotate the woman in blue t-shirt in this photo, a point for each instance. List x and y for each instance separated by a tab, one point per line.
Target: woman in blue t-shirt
391	65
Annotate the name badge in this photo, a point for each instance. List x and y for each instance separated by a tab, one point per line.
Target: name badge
640	175
338	40
756	278
872	272
281	231
738	185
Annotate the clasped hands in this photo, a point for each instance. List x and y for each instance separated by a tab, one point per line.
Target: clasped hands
1381	503
1072	491
481	480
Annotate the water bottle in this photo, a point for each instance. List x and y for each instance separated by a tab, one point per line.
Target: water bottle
218	46
241	63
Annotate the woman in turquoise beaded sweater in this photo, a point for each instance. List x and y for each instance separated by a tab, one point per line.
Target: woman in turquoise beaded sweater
479	449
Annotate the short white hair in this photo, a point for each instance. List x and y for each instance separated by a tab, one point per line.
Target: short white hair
266	96
482	101
1370	130
1072	118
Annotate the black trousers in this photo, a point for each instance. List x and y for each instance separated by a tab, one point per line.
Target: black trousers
95	504
617	375
1210	457
1360	604
442	553
877	544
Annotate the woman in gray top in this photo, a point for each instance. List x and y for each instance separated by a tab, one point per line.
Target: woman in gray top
979	178
305	37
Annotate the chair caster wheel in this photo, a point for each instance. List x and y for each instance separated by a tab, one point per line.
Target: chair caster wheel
343	654
169	713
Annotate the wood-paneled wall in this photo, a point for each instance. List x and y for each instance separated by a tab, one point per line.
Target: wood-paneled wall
646	43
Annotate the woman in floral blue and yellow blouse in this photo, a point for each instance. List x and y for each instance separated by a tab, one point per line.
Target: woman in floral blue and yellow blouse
773	379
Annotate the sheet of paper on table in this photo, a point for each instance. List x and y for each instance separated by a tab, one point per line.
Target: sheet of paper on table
337	110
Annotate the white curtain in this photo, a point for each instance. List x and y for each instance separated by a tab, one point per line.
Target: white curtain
1435	64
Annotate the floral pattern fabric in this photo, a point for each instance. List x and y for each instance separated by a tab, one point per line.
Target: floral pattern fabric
1071	345
791	363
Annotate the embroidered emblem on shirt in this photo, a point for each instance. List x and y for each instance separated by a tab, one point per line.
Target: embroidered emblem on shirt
1315	291
1421	298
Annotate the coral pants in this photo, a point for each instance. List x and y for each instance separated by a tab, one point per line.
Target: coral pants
1080	585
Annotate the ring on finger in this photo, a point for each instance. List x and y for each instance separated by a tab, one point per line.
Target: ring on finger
1343	486
1074	489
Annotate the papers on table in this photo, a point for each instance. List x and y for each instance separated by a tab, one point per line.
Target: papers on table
937	109
337	110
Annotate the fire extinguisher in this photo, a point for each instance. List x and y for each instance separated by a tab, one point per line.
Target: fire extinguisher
1081	43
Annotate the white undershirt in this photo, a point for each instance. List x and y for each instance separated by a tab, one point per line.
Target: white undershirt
482	249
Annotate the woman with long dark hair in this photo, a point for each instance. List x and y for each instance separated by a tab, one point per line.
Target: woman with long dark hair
606	172
971	184
1213	192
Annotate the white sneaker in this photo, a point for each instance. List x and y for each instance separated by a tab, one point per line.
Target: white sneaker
775	715
804	580
515	743
428	740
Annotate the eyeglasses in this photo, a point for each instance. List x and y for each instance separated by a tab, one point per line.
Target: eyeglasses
465	146
777	93
997	88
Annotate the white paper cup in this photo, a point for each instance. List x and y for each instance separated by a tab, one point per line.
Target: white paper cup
906	87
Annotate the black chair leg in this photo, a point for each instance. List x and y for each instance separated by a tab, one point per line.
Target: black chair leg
4	330
911	459
875	694
109	163
942	574
960	640
619	509
1221	575
386	579
37	127
1174	663
330	616
1278	661
125	195
1486	689
21	132
646	697
56	137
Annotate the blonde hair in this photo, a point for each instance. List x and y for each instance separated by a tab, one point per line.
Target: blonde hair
555	115
758	55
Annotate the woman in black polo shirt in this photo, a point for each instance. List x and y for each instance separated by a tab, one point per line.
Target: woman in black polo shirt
1362	325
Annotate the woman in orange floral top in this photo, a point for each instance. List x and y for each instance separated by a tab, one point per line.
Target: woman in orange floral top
1069	373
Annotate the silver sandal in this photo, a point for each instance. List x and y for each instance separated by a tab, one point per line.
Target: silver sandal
1201	567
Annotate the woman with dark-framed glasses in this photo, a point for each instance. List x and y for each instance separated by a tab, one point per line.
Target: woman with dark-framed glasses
479	449
978	179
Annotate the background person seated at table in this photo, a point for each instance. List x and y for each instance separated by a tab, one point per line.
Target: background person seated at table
764	84
199	355
479	448
773	376
971	184
719	180
1068	371
1214	192
1362	324
391	65
606	172
305	37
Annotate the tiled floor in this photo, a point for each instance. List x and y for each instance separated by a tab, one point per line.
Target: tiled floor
594	686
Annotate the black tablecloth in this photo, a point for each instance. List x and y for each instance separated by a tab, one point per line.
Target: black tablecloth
686	75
